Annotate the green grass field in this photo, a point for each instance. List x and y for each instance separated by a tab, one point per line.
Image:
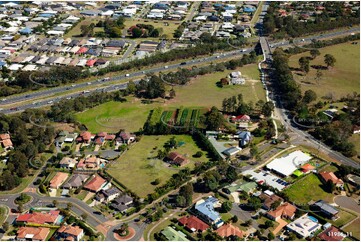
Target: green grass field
354	229
138	167
75	32
3	213
308	189
342	79
201	92
167	29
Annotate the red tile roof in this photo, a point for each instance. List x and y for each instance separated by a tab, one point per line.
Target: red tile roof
241	118
72	230
330	176
193	223
39	218
91	62
331	234
229	230
308	167
284	210
82	50
95	184
177	158
33	233
84	136
58	179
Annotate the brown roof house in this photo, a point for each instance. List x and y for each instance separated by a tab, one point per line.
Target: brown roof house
229	231
84	137
269	199
326	176
194	224
177	159
58	179
286	211
5	141
71	233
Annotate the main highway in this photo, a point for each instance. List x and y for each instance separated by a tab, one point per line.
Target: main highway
45	96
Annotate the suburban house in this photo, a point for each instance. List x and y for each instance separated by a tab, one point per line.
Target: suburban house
173	235
330	176
50	217
32	234
90	162
326	209
243	118
71	233
67	163
108	195
122	203
76	181
84	137
286	211
247	187
244	138
177	159
205	209
58	179
268	200
5	141
332	234
125	138
304	226
95	184
65	137
230	231
193	224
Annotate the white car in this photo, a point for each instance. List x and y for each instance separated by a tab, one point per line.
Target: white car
166	67
89	83
73	85
127	75
4	99
50	102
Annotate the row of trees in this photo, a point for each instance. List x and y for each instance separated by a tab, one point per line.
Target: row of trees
236	106
145	30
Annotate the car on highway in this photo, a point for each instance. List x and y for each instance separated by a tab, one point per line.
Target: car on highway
127	75
14	109
50	102
106	79
217	56
166	67
183	63
3	100
89	83
86	91
73	85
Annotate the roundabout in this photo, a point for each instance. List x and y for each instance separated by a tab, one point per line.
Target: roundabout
128	236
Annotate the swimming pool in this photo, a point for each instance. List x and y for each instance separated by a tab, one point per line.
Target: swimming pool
313	219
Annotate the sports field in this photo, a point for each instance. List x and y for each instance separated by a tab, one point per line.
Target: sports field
340	80
201	92
138	167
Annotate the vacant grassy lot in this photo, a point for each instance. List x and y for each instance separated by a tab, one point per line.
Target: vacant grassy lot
138	167
75	32
345	217
354	229
201	92
168	26
309	188
342	79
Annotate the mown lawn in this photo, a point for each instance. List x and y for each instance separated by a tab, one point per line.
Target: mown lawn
138	167
168	28
307	189
342	79
354	229
3	213
200	92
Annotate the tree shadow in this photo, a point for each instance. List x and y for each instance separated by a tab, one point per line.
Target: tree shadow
319	67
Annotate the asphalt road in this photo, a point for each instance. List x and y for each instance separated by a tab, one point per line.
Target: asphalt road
79	207
46	93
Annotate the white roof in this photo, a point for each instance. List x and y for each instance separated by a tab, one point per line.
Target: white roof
30	68
15	67
9	4
288	164
55	32
304	226
11	29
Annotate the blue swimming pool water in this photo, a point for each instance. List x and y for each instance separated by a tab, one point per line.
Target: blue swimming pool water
313	219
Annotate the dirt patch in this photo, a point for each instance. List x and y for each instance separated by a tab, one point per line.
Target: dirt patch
64	126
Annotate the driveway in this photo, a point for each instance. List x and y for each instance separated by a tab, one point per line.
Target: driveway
282	224
347	202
